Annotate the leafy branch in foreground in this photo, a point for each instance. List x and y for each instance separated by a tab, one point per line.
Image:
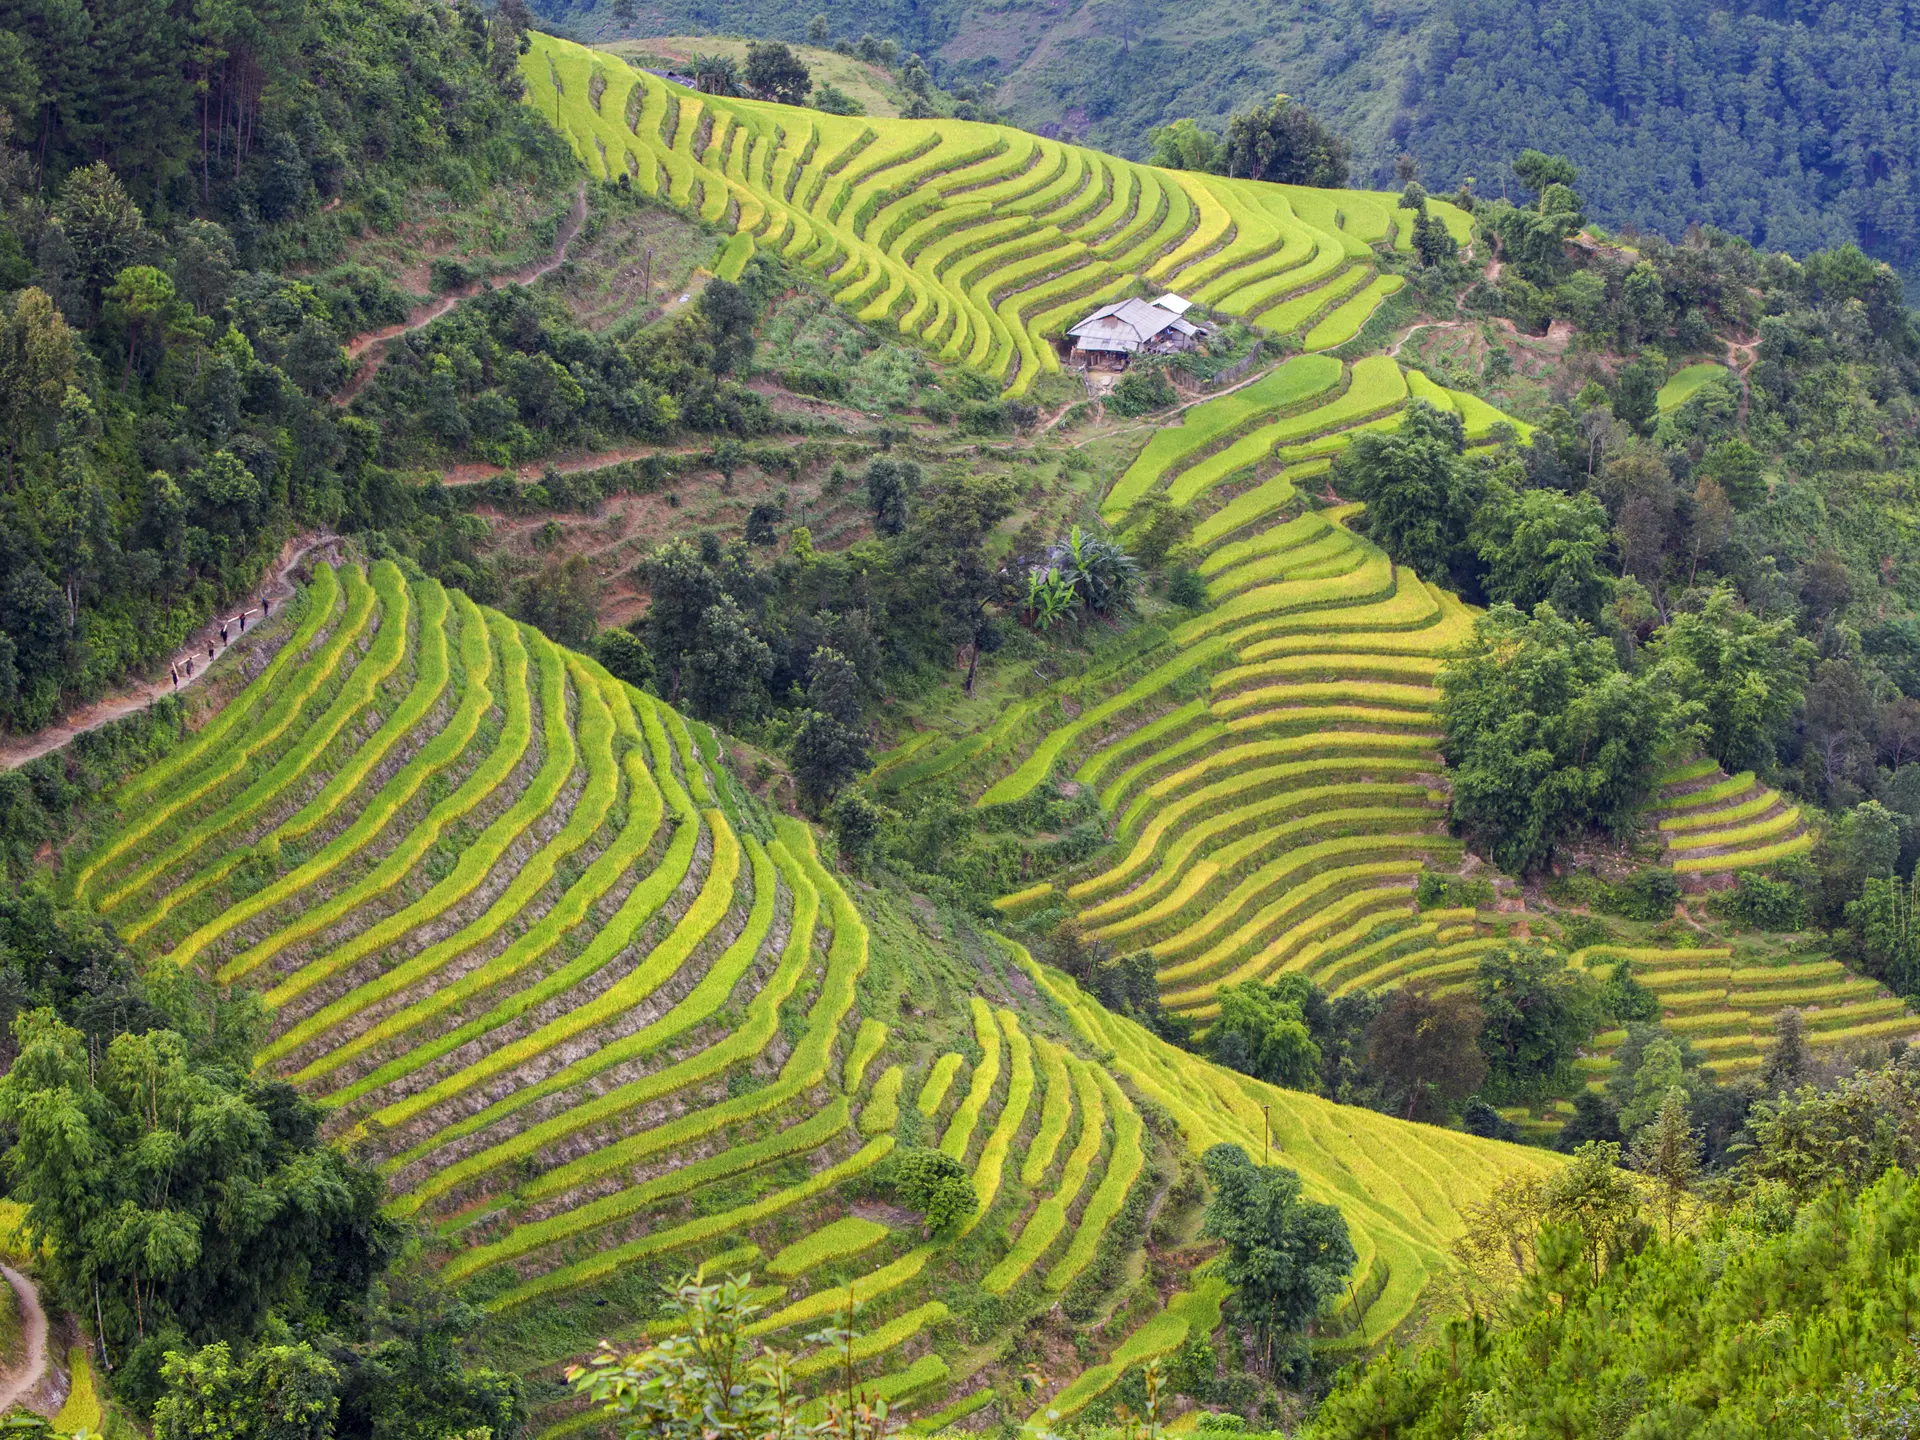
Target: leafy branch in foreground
708	1379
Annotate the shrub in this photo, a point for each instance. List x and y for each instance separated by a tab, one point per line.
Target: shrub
1187	589
1763	903
1646	895
932	1182
448	274
1143	389
1480	1118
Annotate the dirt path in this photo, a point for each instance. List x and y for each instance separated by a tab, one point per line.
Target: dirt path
1393	350
374	341
278	586
473	472
34	1322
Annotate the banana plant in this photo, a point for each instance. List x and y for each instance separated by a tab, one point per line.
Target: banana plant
1051	597
1103	575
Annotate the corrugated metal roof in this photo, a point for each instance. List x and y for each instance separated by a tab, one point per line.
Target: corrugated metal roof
1133	323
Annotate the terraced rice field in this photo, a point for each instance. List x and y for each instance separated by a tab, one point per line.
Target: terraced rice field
1714	824
1401	1187
1686	382
982	241
1727	1008
599	1017
1270	767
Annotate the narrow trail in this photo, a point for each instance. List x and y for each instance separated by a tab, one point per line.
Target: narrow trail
374	341
1393	350
34	1322
138	696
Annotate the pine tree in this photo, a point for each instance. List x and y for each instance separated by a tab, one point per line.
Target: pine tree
1788	1062
1668	1152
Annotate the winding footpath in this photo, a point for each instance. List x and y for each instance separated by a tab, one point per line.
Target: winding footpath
33	1321
373	343
17	751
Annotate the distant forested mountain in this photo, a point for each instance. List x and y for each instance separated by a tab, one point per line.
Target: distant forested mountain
1795	123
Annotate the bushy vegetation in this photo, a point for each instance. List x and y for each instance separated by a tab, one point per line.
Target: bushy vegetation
1806	1220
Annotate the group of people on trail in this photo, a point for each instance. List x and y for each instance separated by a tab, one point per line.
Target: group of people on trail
182	670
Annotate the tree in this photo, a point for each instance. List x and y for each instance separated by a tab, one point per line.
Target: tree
1421	492
129	1164
1155	526
37	359
1599	1201
104	227
1283	142
774	72
1262	1034
559	599
1660	1068
682	589
1427	1048
728	665
1838	721
1788	1063
827	754
1547	737
1538	171
1183	145
1537	1012
705	1380
729	314
834	687
1748	675
891	485
1286	1256
932	1182
1432	241
818	29
1737	468
625	657
143	302
280	1392
716	74
1545	545
1668	1153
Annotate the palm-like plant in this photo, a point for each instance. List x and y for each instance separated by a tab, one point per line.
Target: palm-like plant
1104	576
716	74
1051	598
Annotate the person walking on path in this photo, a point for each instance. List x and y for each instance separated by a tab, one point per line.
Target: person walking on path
174	675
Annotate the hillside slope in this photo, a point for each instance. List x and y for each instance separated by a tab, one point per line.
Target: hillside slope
984	241
1787	125
600	1016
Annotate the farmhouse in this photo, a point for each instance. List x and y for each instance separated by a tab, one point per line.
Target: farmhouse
1114	333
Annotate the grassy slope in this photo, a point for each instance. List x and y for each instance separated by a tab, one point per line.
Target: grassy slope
868	84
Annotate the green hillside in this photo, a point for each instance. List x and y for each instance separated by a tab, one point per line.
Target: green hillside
599	1017
983	241
1803	159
